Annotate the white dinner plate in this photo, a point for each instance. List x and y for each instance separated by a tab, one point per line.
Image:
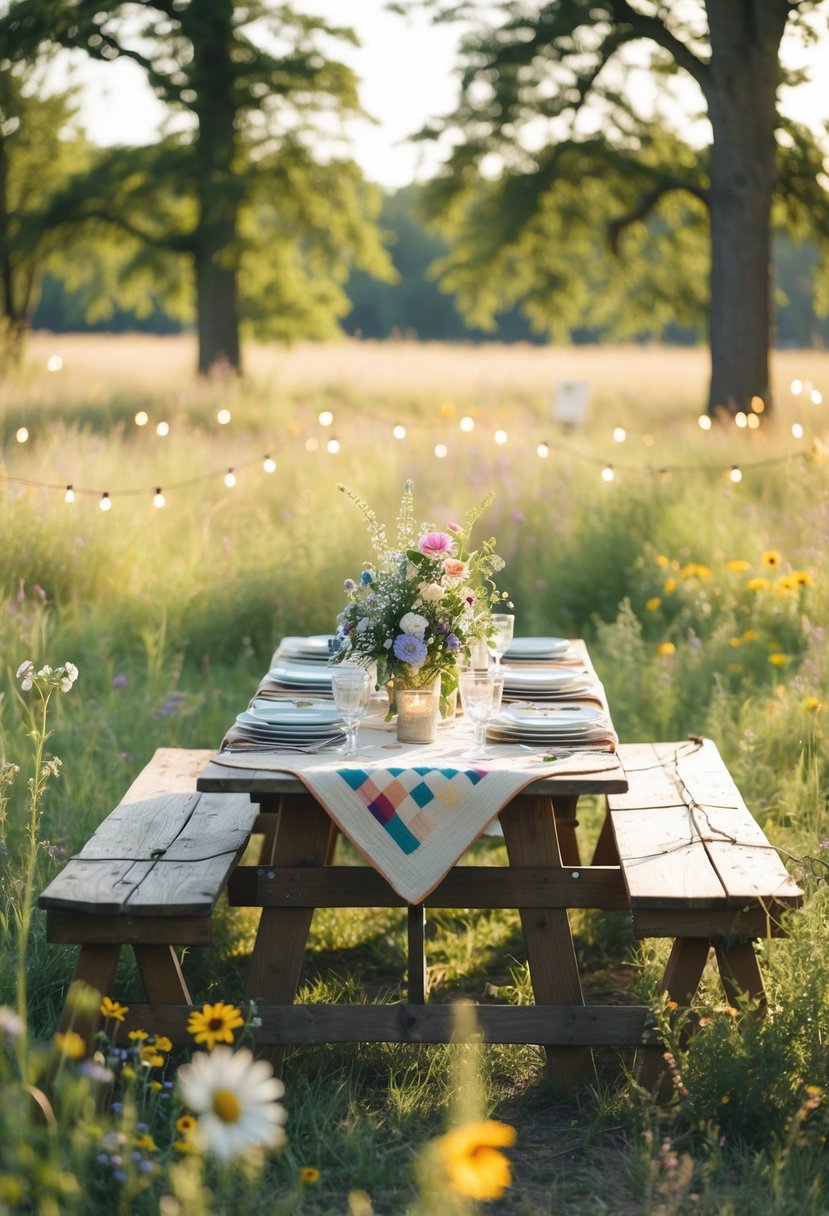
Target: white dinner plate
537	648
305	676
541	677
291	714
546	717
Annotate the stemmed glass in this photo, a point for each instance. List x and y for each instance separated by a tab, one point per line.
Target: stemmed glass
351	686
503	625
481	694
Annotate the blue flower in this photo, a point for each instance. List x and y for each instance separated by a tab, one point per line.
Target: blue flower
452	642
410	649
366	578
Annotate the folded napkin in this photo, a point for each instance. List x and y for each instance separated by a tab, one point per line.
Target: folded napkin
413	810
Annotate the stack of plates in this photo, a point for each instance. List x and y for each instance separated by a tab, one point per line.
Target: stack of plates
545	683
570	724
313	649
290	724
295	676
533	650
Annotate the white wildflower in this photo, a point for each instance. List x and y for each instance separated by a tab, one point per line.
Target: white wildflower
430	593
236	1101
67	674
25	674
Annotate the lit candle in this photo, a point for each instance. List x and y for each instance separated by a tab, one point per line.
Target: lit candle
417	714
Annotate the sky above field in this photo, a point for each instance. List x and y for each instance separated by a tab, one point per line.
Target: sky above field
407	69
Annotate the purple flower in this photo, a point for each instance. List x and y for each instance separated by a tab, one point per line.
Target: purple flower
119	681
349	585
410	649
452	642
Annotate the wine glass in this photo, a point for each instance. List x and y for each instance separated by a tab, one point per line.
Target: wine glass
481	694
500	636
351	686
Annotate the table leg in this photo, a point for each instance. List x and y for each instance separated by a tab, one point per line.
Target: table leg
530	834
303	837
161	975
566	824
740	972
606	852
416	954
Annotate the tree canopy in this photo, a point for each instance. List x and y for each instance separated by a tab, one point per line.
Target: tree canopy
251	191
562	194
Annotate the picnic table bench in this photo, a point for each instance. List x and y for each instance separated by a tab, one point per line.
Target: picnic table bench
679	851
149	878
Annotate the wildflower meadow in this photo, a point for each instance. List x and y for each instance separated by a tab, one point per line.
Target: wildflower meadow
160	536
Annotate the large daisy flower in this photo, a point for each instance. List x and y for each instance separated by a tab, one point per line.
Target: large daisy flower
236	1100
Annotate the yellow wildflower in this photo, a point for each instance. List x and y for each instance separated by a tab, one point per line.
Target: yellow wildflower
113	1009
812	705
150	1058
771	558
694	570
215	1024
750	635
653	603
784	585
669	585
137	1036
473	1165
162	1043
725	1099
184	1146
129	1072
758	584
801	578
735	643
308	1175
814	1091
185	1124
155	1086
665	648
71	1044
145	1142
738	566
662	560
777	659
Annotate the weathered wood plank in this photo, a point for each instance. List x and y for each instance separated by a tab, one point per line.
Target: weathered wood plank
663	860
172	770
720	922
463	887
72	928
567	1027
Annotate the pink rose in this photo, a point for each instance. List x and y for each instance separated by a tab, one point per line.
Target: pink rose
436	544
454	568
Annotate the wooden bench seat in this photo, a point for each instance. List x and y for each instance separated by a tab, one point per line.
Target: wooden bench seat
697	867
150	877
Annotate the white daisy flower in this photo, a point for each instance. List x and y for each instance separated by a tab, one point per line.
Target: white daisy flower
236	1100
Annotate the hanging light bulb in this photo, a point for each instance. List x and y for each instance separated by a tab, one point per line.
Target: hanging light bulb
269	464
230	479
736	473
158	498
69	496
106	502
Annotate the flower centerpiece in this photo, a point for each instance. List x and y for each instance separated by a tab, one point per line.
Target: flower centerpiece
421	602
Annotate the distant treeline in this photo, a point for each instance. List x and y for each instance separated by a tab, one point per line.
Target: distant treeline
414	307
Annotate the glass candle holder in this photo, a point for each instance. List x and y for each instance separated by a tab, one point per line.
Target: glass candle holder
417	714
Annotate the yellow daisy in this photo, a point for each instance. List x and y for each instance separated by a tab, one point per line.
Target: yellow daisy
750	635
758	584
771	558
735	643
162	1043
669	585
471	1160
137	1036
71	1044
653	603
215	1024
665	648
113	1009
662	560
308	1175
145	1142
812	705
777	659
185	1124
738	566
801	578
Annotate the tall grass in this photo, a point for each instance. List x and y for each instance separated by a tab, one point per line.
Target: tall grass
190	600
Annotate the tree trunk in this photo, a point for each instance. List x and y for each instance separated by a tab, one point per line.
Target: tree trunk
741	93
210	28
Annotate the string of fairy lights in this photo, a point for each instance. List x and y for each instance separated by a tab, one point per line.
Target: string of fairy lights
609	469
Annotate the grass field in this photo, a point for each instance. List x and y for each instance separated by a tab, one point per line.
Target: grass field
704	600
